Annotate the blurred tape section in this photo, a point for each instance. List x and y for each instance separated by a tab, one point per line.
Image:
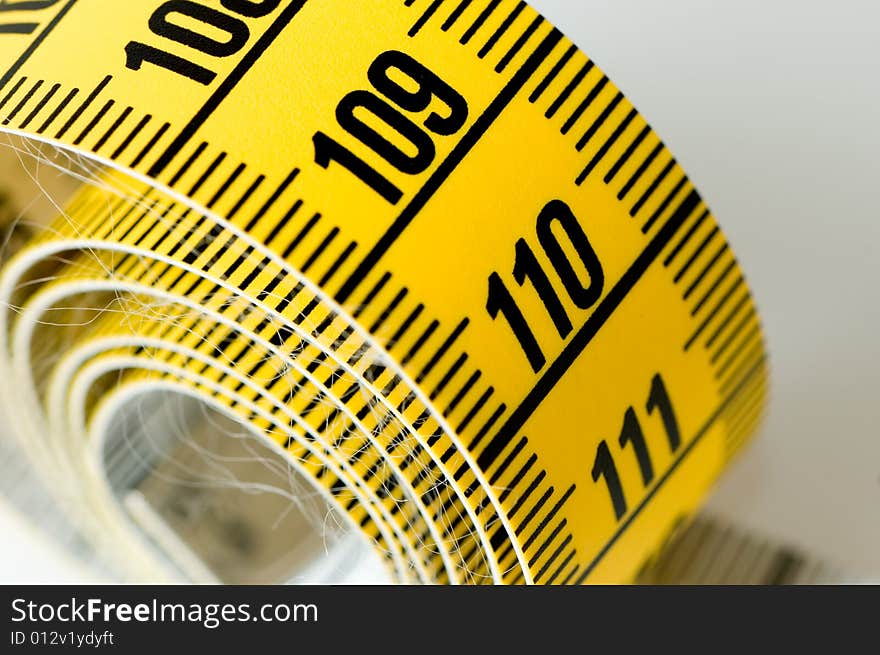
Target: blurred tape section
711	552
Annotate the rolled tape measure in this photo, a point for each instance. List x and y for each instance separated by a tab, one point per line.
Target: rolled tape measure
425	251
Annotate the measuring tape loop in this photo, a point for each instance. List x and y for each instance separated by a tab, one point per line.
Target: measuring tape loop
424	253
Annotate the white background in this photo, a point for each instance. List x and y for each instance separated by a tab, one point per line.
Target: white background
772	107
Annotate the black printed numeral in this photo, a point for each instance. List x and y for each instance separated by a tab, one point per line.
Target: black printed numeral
527	267
169	22
28	27
421	151
604	466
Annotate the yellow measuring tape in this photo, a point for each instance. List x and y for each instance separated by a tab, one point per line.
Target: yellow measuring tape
426	248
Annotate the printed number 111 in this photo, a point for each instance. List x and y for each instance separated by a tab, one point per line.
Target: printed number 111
604	467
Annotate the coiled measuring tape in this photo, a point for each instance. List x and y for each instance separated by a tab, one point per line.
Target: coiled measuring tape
425	250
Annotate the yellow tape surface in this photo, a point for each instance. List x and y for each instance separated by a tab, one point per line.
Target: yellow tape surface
425	247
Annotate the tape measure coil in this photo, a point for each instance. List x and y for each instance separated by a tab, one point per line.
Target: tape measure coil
409	290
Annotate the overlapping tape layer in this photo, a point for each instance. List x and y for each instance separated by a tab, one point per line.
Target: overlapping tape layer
425	251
